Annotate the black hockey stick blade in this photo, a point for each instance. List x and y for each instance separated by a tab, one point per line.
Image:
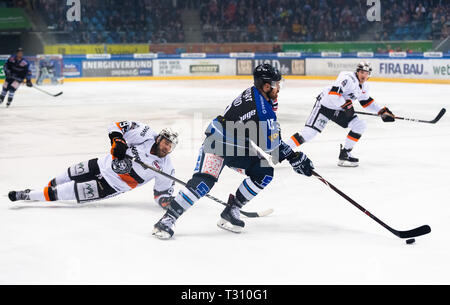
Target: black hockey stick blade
425	229
439	116
48	93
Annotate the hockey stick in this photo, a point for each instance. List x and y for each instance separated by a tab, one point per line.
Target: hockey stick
425	229
48	93
248	214
436	119
402	234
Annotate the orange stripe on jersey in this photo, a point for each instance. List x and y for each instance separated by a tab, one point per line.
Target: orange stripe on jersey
367	105
128	180
295	141
47	197
352	138
334	93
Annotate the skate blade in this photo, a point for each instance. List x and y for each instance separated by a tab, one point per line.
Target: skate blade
226	225
345	163
163	235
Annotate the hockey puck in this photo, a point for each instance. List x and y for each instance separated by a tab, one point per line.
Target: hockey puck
410	241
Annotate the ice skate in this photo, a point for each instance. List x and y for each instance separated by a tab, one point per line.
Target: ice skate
163	228
230	217
19	195
346	159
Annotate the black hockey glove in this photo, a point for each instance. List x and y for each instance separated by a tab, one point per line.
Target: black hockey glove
386	115
29	83
119	148
7	74
348	109
301	163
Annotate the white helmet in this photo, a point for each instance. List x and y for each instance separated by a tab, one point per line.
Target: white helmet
170	135
365	66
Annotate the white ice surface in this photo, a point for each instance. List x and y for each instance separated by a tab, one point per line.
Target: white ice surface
314	235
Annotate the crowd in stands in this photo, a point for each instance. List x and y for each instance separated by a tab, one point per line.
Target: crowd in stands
111	21
159	21
415	20
282	20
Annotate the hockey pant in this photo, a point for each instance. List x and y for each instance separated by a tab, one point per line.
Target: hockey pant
81	182
321	115
207	172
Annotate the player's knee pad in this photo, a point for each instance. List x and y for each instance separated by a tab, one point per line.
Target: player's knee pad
261	176
200	184
357	125
84	171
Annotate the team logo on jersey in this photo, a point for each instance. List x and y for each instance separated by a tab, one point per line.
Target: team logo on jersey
121	166
156	165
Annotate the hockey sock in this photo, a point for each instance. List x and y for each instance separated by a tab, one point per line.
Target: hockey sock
64	191
182	202
246	192
352	139
10	95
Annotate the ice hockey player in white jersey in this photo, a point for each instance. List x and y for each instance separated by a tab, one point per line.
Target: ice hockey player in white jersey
115	173
335	103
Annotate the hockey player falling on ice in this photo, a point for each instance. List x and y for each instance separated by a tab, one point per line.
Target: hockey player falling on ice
16	70
229	144
115	173
335	103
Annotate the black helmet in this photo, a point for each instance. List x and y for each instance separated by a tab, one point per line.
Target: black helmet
19	50
265	73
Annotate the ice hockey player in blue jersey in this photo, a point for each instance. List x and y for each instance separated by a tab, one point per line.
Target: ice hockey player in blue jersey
236	140
46	70
16	70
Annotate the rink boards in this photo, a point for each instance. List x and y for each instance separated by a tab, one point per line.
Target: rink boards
428	67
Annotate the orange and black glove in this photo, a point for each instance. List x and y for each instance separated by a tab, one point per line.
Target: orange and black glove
119	147
348	109
386	115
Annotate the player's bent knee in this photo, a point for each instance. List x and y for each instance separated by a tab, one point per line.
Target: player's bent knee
263	177
200	184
